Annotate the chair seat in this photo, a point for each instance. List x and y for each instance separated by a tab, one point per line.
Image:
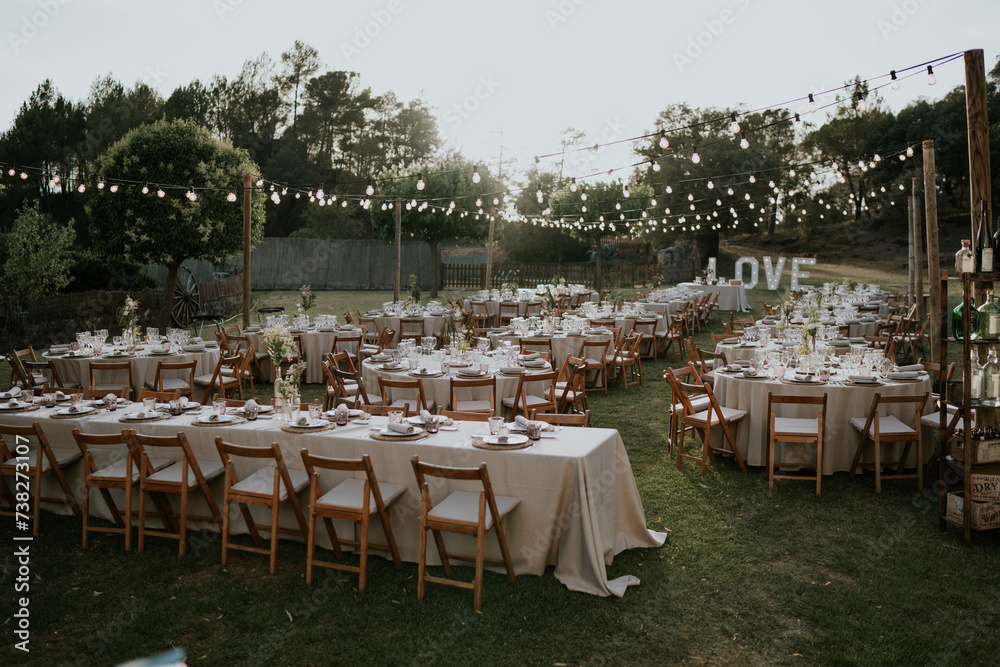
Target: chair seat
480	405
349	494
463	507
169	384
116	471
63	457
262	481
412	403
712	418
172	473
795	426
206	380
934	420
886	426
109	386
698	403
529	401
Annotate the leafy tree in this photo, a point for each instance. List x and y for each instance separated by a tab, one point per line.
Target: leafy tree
529	241
299	62
250	108
599	209
193	101
38	256
432	218
171	229
334	110
113	110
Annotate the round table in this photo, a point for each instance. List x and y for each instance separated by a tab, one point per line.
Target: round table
75	371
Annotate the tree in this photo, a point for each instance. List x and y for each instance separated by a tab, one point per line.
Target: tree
113	110
38	256
601	208
250	109
193	101
433	219
171	229
300	62
334	110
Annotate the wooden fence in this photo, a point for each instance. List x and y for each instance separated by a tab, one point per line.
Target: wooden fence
473	276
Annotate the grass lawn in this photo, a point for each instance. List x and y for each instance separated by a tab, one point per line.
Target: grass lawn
745	578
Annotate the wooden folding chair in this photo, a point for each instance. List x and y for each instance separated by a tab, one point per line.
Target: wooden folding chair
28	462
411	328
542	346
457	513
795	431
458	415
704	420
479	316
384	410
951	412
508	311
468	389
42	373
219	381
671	338
270	486
354	500
175	375
160	396
110	477
571	386
98	370
544	401
595	352
180	478
648	343
416	403
562	419
881	430
630	361
676	429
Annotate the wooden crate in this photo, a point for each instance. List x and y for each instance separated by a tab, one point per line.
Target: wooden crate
984	515
983	451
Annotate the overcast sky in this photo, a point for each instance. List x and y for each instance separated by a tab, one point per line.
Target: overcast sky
515	72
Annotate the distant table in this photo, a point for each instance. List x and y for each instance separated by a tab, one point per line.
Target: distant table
76	370
731	297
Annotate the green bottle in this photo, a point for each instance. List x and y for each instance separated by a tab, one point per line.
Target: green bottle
988	326
958	315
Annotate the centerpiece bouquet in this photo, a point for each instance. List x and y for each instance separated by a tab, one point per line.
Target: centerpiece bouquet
308	300
128	318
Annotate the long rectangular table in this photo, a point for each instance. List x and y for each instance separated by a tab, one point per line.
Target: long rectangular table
579	502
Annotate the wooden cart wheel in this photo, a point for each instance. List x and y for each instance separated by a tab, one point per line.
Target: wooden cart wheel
186	298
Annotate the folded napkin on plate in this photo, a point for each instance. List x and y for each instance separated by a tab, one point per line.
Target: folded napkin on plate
214	417
861	378
73	409
911	367
512	369
804	377
199	347
392	365
531	356
401	428
425	415
903	375
730	341
734	368
16	391
195	339
251	404
14	403
302	421
523	422
142	414
535	363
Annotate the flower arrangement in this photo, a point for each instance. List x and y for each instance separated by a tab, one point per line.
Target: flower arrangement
279	343
128	318
558	281
307	301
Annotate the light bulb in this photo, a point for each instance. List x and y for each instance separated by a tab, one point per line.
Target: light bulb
895	81
734	127
160	193
583	196
81	188
618	206
744	144
231	197
812	104
343	204
475	176
11	171
862	104
496	202
729	191
695	157
56	178
909	151
24	175
114	188
260	182
370	189
572	185
931	79
626	193
275	197
322	202
798	120
664	142
690	197
656	166
298	195
668	189
319	193
753	179
711	185
194	197
420	182
479	202
100	184
145	189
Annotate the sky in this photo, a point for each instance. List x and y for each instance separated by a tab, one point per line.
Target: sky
509	75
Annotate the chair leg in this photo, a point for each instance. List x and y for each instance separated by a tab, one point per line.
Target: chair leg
422	562
363	565
274	531
480	556
310	545
86	512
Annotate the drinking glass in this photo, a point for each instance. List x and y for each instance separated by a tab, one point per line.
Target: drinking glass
219	406
395	416
315	411
149	404
49	400
445	367
29	395
431	425
495	424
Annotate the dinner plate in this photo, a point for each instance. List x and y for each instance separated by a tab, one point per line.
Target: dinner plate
471	374
512	439
134	416
222	419
261	409
420	374
99	403
159	352
394	434
84	411
313	423
390	367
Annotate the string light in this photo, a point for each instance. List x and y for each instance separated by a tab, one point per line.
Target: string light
664	142
744	144
862	104
24	175
931	79
319	193
656	165
370	188
572	185
812	104
160	193
734	127
909	151
753	179
114	188
80	188
695	157
625	192
231	197
420	182
798	120
475	175
260	182
145	189
11	171
100	183
895	81
192	196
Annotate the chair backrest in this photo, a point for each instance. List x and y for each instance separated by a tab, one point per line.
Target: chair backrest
533	308
460	415
160	396
342	360
343	378
11	436
424	470
508	309
348	341
110	440
227	450
43	368
384	410
541	345
478	308
313	463
92	393
385	337
411	326
521	393
918	401
596	350
385	385
111	367
681	392
577	419
795	399
138	443
185	369
471	384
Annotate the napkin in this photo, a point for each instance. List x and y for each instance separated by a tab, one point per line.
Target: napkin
302	421
730	341
861	378
16	391
401	428
199	347
73	409
531	356
512	369
142	414
804	377
426	416
13	403
911	367
535	363
60	395
902	375
523	422
214	417
251	404
734	368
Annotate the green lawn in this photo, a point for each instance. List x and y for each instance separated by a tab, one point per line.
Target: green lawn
745	578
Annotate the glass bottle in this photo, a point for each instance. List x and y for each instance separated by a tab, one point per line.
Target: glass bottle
958	315
965	261
984	247
976	384
991	380
988	324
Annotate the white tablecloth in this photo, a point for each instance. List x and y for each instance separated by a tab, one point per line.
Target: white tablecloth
76	370
579	502
843	402
731	297
316	345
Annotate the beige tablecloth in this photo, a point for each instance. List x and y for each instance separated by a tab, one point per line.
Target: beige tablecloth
316	344
75	371
731	297
843	402
579	502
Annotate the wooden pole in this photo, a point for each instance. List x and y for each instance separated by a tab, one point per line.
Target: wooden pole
979	136
399	247
247	200
489	249
918	250
911	273
933	258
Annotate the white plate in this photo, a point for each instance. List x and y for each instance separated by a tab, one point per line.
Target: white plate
471	374
313	423
393	434
99	403
207	419
65	411
134	416
512	439
261	409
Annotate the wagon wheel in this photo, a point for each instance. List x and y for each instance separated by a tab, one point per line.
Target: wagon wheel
186	299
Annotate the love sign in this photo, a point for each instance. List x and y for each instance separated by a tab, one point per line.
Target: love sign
772	272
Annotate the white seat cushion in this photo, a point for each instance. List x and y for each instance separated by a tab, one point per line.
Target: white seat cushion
172	473
109	386
886	426
934	420
464	506
169	384
262	481
413	403
472	405
728	414
349	494
795	426
117	469
63	457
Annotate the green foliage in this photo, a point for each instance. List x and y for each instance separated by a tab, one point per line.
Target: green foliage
168	230
526	242
38	256
414	290
601	213
97	272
